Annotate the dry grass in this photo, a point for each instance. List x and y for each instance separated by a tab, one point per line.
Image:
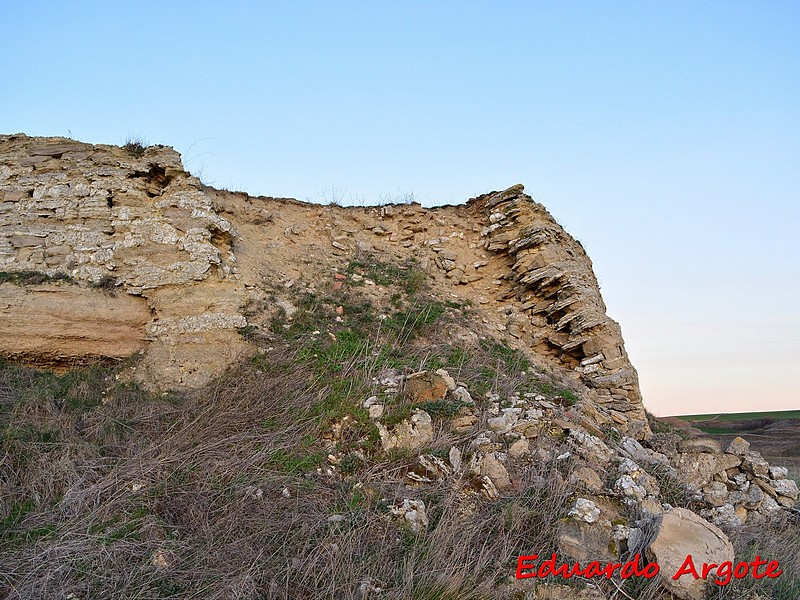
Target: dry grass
778	540
135	146
209	518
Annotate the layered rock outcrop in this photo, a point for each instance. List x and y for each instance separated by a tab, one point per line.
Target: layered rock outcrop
559	294
131	228
121	226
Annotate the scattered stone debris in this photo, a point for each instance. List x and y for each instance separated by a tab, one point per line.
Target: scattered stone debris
159	559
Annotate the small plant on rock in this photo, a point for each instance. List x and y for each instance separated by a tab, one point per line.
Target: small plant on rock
135	146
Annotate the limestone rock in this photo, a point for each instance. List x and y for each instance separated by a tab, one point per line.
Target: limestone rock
142	223
455	459
738	446
426	386
723	516
584	510
519	448
651	507
696	468
785	487
727	461
635	450
765	486
585	542
700	444
56	325
715	493
629	489
159	559
753	498
489	466
591	448
544	260
412	512
680	534
464	419
778	472
755	464
412	433
430	468
586	479
665	443
507	419
448	380
461	394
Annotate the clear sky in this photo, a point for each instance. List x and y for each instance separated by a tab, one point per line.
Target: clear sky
663	135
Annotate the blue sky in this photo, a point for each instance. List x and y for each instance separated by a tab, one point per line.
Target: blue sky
663	135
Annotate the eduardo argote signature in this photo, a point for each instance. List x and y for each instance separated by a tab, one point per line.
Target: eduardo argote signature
722	573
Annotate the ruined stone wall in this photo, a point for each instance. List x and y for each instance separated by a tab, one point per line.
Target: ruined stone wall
147	254
164	265
558	292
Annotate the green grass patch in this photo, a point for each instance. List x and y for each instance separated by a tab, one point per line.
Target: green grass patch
33	277
441	408
120	527
10	529
408	324
351	464
28	434
331	355
745	416
76	390
513	359
295	463
717	430
406	276
340	400
16	513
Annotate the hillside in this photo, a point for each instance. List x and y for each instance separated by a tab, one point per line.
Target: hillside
208	394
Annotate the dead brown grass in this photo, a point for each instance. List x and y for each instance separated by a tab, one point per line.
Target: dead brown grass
778	539
110	492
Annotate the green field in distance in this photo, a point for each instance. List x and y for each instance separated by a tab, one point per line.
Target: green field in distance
747	416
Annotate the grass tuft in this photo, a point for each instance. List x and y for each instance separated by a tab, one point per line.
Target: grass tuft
33	277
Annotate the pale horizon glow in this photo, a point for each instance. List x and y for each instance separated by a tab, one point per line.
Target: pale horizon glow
663	136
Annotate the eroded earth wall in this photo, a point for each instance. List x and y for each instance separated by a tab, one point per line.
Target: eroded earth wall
141	256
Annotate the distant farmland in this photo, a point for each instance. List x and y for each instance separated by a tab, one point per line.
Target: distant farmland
748	416
776	435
